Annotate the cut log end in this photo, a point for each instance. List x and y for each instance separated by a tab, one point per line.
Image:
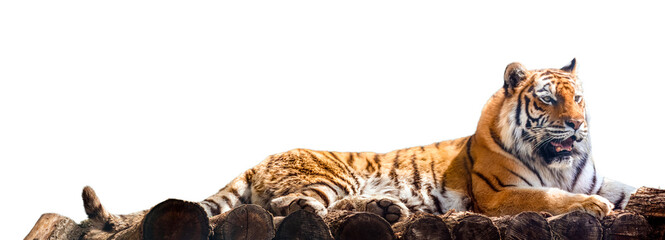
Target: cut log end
476	227
528	225
246	222
575	225
423	226
363	225
176	219
303	225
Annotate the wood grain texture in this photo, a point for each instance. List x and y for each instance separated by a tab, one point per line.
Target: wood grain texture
246	222
303	225
476	226
575	226
422	226
649	202
54	226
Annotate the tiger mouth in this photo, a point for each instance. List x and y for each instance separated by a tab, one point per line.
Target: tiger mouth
559	148
563	146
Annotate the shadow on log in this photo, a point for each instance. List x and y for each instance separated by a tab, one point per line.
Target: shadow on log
302	225
476	226
422	226
575	225
246	222
345	225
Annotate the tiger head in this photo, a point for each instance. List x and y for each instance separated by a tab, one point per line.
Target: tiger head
544	116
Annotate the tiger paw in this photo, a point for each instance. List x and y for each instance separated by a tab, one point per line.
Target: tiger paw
390	209
595	205
288	204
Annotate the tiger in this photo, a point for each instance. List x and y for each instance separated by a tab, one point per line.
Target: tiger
530	152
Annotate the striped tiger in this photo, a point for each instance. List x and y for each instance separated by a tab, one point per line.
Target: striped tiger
530	152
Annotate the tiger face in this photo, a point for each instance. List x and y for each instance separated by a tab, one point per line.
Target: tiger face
548	120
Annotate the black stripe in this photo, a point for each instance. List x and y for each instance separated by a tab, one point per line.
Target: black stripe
518	111
322	195
437	203
235	193
593	184
377	160
616	204
325	184
351	159
497	140
578	171
437	144
526	110
416	172
228	201
535	105
533	170
368	166
601	187
501	183
431	166
520	176
393	171
422	149
486	181
340	165
214	207
335	178
468	150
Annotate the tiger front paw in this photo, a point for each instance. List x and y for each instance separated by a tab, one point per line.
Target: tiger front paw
389	208
595	205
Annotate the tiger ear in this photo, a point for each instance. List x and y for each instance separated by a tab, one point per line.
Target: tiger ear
514	74
571	66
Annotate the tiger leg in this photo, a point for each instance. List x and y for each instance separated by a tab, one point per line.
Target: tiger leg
237	192
513	200
388	207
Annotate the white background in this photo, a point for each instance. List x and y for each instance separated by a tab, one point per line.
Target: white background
146	101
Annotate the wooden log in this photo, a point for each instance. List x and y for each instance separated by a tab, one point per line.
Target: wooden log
575	225
527	225
176	219
54	226
303	225
475	226
358	225
422	226
649	202
245	222
625	225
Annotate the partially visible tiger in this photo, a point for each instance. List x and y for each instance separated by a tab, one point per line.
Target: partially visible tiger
530	152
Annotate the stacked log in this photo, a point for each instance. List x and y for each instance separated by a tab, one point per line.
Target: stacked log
644	218
650	203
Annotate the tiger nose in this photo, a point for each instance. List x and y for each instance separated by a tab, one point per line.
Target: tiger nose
574	123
